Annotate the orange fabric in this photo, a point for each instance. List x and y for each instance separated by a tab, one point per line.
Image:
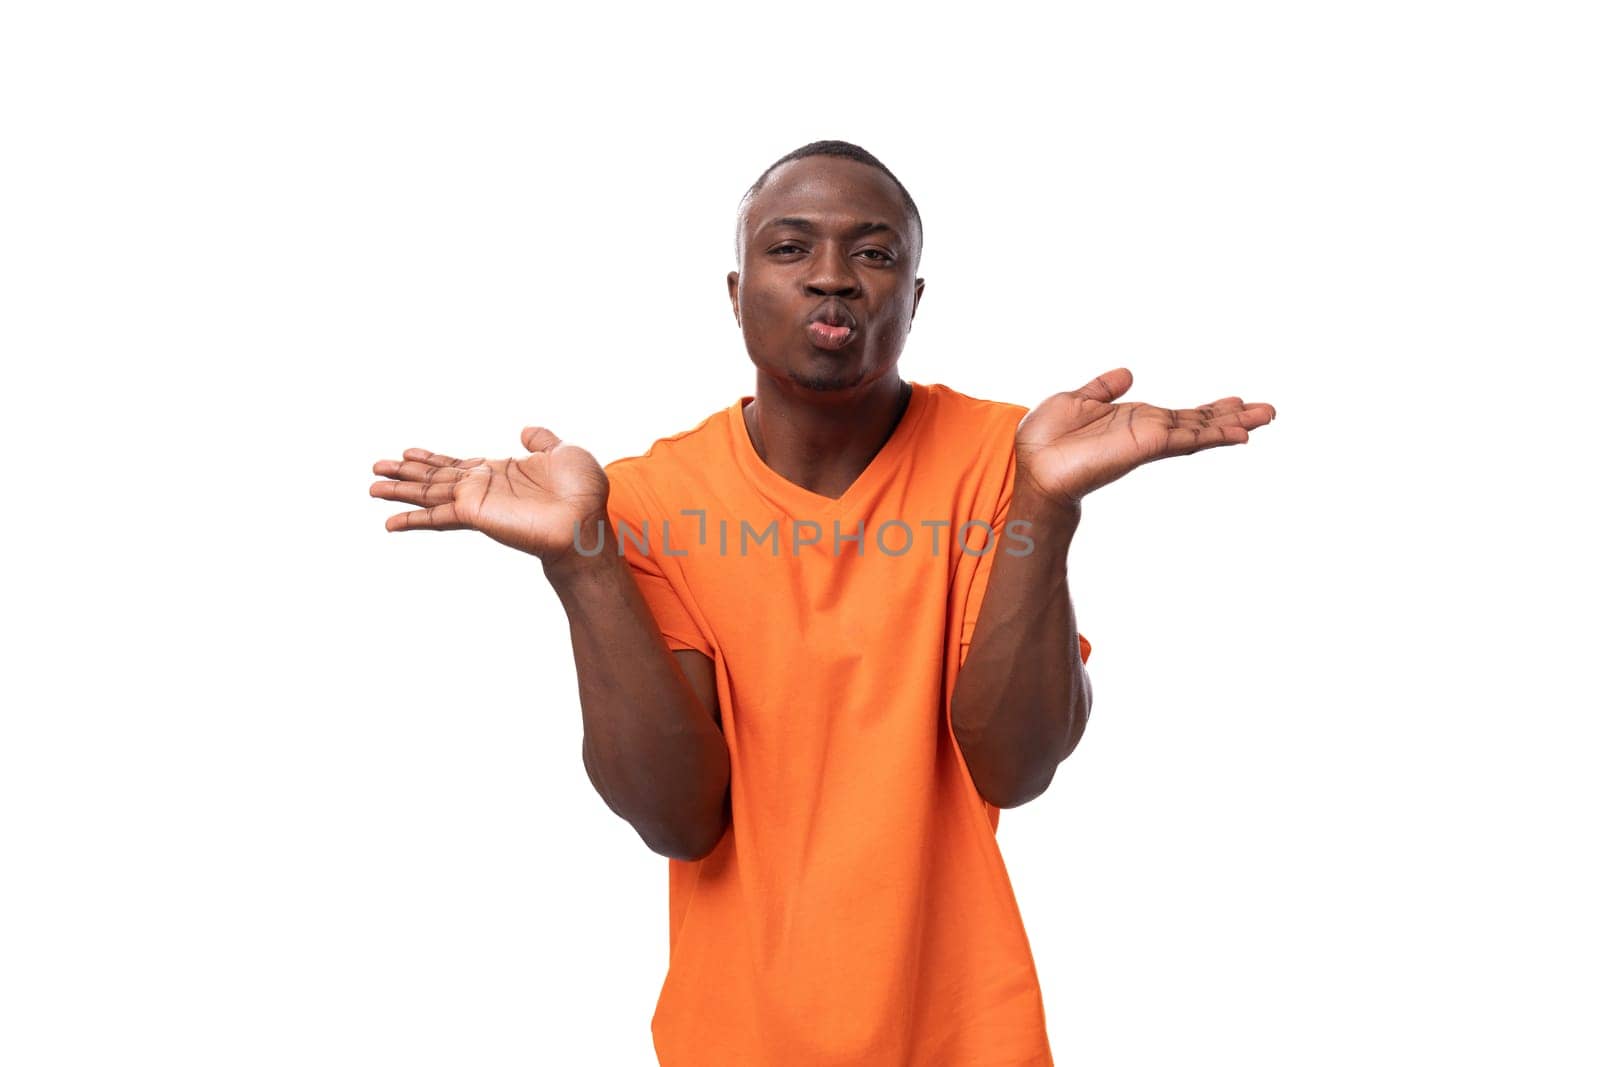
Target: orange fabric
857	911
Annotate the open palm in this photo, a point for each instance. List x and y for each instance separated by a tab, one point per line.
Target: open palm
533	504
1074	443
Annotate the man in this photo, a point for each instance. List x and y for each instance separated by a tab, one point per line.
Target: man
822	638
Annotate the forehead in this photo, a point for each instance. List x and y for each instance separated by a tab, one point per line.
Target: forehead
831	190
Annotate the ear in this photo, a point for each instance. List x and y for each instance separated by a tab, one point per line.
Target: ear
733	294
916	298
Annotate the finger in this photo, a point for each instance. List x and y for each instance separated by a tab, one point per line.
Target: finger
1227	412
439	459
1252	415
1247	415
1187	440
442	517
417	471
427	495
1216	407
538	439
1108	386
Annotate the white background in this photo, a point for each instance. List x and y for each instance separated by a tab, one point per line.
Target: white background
278	787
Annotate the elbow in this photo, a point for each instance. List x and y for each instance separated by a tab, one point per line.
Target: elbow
1024	789
1010	773
1006	776
691	841
692	834
670	825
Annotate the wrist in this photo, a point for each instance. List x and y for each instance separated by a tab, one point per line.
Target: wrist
591	549
1051	520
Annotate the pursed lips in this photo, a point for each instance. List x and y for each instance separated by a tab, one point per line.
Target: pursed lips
831	326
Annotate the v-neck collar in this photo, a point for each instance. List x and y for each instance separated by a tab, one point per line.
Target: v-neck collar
801	503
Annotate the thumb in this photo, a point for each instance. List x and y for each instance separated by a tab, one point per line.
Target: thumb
538	439
1108	386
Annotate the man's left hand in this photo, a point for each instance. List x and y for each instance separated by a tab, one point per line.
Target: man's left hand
1074	443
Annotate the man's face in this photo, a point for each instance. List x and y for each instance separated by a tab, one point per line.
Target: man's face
828	289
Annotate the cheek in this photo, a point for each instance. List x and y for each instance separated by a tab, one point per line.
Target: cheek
889	324
762	310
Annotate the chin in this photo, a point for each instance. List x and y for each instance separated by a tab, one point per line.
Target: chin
825	383
829	377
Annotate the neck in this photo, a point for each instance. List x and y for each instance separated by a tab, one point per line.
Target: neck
823	447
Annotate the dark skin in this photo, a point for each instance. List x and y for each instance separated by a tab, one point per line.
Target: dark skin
808	240
822	232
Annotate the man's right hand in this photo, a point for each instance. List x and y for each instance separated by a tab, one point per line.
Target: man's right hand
533	504
651	739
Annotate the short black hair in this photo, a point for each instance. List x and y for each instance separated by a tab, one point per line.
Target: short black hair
840	150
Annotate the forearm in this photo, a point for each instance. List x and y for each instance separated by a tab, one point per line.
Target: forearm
1022	697
650	746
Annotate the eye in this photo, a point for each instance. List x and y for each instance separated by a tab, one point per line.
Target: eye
882	255
786	248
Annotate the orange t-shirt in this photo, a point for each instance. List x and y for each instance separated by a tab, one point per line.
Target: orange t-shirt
857	911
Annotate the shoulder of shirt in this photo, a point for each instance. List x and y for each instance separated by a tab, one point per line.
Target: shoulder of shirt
956	407
682	455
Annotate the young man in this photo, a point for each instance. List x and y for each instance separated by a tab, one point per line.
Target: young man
787	684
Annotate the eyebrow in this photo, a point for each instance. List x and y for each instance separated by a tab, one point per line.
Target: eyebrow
810	227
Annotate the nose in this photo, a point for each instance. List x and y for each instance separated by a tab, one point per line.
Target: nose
830	273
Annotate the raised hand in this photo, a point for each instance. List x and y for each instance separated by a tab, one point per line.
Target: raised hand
1074	443
531	503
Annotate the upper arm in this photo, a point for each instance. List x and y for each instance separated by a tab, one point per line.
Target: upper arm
702	674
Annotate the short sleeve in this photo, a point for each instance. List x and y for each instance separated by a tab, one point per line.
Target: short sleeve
671	617
667	607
